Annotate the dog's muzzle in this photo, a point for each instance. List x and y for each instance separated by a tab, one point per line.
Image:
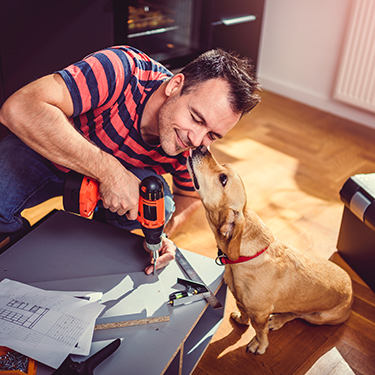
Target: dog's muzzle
196	155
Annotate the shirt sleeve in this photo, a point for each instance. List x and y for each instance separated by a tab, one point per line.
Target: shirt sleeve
98	79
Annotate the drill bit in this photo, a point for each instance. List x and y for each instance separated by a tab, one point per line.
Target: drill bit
155	254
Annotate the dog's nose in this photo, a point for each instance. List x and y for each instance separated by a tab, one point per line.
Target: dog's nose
203	149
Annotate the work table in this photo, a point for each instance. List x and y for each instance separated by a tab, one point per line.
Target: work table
64	249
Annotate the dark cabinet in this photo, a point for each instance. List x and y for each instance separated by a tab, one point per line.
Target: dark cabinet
236	26
174	32
39	37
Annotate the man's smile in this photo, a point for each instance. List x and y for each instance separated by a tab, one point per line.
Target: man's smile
180	141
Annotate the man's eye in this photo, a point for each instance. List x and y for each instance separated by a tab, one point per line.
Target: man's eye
223	179
198	121
212	136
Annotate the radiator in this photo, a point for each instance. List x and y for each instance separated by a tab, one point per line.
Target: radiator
356	78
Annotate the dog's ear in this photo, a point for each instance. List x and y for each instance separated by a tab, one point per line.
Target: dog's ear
232	229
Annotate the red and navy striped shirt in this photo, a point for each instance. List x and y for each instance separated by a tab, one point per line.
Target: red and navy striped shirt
109	90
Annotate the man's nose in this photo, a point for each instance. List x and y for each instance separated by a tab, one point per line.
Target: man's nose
198	137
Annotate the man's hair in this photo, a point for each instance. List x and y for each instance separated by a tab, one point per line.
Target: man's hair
238	72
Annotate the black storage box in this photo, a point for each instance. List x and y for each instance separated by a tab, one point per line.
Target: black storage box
356	242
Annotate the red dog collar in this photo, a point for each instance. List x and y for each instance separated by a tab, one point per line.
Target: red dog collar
222	259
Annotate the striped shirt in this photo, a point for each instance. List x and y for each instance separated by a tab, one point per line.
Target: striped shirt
109	90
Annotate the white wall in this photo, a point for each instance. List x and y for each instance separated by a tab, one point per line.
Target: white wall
302	41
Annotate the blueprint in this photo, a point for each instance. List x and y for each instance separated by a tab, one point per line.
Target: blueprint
44	325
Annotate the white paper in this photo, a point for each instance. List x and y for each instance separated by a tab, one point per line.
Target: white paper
83	347
44	325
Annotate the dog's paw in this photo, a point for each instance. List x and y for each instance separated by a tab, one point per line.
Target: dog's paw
275	322
256	347
236	315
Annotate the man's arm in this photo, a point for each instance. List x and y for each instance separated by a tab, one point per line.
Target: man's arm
38	115
186	204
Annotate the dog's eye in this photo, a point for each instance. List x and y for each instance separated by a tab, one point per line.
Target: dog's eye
223	179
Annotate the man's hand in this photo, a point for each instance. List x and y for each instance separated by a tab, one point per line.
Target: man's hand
120	192
166	255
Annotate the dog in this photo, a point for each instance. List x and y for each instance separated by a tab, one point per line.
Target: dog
273	283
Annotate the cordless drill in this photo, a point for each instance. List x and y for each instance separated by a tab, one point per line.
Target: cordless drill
151	213
81	196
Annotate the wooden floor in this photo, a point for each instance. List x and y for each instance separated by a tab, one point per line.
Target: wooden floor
293	159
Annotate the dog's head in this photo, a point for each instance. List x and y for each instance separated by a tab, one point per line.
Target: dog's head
223	196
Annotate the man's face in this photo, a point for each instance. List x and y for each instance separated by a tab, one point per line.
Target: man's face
197	118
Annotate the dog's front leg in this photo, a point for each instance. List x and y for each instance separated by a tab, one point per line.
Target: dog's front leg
259	342
241	317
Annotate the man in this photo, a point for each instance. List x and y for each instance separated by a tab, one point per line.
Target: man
118	116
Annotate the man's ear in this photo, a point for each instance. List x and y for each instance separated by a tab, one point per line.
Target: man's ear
232	230
174	84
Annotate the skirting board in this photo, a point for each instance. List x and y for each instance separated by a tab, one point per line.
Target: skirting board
321	102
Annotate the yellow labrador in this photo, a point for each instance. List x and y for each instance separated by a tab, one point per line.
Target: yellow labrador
272	283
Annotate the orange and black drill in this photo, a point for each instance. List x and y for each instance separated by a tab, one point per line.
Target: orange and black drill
81	196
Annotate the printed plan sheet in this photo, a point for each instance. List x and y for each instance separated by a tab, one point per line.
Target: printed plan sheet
45	325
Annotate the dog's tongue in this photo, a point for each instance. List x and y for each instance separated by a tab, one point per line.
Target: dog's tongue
190	152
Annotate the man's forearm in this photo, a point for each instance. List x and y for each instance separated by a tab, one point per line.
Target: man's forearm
60	142
185	207
45	128
37	114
